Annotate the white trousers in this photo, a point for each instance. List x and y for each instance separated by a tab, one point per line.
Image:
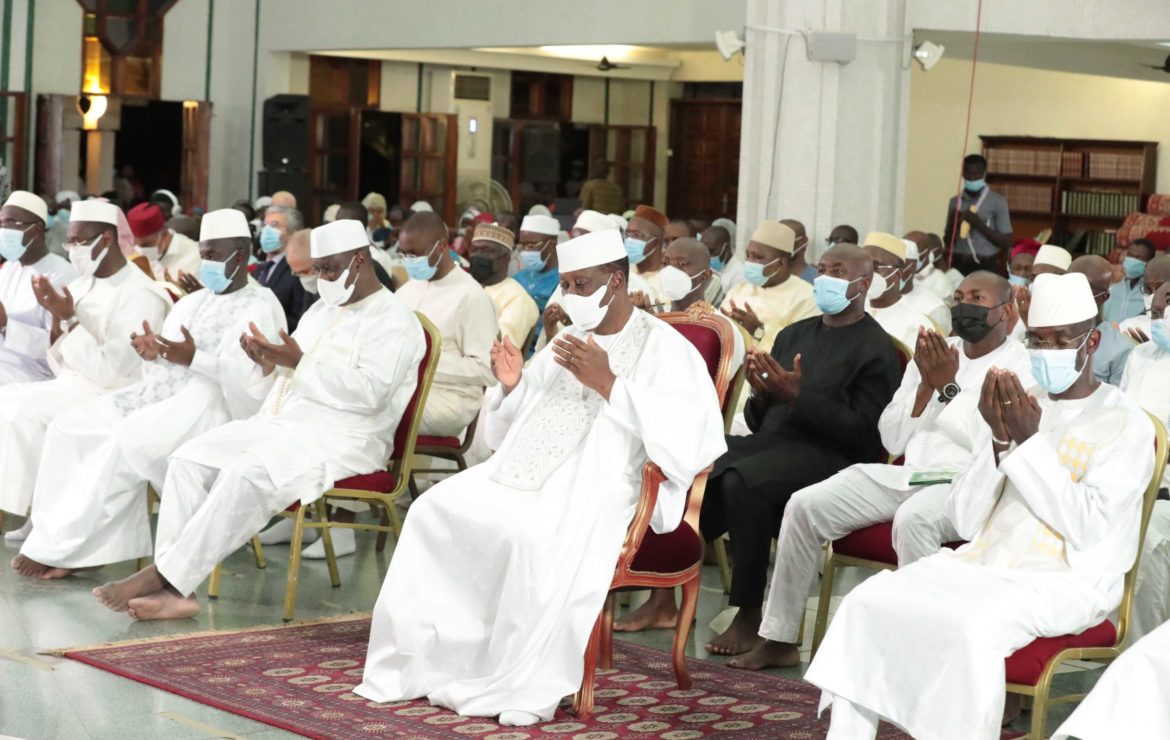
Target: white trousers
447	412
832	509
1151	603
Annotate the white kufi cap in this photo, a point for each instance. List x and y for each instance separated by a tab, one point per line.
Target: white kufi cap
225	223
1060	300
1053	256
421	205
30	202
594	221
540	225
590	250
911	249
96	211
539	210
344	235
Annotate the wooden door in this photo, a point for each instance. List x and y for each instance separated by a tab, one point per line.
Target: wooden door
196	163
703	176
334	136
49	168
430	150
13	119
631	153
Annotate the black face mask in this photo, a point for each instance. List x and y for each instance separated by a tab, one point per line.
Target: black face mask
482	268
969	321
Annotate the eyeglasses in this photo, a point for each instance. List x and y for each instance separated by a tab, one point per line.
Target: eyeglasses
13	224
1076	342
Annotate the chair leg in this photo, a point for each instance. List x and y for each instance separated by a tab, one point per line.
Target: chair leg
413	488
583	700
140	563
384	521
327	539
460	462
724	564
213	583
605	651
258	552
294	564
682	631
822	621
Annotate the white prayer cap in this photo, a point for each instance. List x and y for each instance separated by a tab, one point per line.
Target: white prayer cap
344	235
593	221
540	225
539	210
225	223
67	195
96	211
330	214
374	200
30	202
1060	300
628	214
262	202
888	242
911	249
727	225
590	250
618	221
1052	256
421	205
775	235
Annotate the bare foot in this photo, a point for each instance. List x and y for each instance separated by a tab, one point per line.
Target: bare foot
50	574
741	636
163	604
659	612
768	654
1011	709
117	594
27	567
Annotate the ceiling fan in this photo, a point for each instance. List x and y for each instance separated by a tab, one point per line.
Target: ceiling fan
1164	68
605	65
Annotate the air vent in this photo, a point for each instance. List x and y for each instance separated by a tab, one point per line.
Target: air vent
473	87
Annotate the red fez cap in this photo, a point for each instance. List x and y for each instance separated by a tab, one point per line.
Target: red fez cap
484	218
1026	246
146	219
653	215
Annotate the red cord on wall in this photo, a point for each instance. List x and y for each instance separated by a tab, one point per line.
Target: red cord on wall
966	133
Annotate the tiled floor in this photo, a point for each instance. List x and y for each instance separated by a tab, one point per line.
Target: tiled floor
46	697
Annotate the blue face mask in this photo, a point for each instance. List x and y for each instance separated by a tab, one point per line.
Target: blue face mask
214	275
717	264
269	239
974	186
1056	370
420	268
62	216
1133	267
753	272
12	244
1019	280
1160	334
636	250
530	259
830	293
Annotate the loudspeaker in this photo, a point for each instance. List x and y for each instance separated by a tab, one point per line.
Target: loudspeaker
294	181
286	132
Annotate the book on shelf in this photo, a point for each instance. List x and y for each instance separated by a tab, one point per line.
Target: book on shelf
1092	242
1010	161
1099	203
1115	165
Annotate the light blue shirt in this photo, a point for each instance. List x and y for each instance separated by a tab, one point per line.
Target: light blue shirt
1112	352
1124	302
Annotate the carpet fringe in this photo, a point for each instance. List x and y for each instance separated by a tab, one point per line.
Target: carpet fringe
62	652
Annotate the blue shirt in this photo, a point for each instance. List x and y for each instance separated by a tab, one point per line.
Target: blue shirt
1112	353
1125	301
808	274
540	285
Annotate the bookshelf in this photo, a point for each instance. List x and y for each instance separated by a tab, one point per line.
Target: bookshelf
1081	189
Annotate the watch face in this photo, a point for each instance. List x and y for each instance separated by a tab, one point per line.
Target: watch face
950	390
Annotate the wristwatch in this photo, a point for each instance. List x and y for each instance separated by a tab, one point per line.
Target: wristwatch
758	334
948	392
70	322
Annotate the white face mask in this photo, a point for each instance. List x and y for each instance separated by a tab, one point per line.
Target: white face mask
81	255
676	284
878	287
309	283
586	311
336	292
1148	299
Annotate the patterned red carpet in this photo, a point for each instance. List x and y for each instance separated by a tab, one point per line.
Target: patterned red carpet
300	677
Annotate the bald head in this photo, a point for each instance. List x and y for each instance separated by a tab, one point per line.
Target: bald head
1098	272
982	282
849	257
425	224
1160	266
297	253
796	226
691	251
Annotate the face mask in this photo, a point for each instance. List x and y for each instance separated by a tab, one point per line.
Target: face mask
586	311
676	284
753	272
636	250
336	292
309	283
214	275
12	244
717	264
970	322
878	287
530	259
420	268
974	186
269	239
925	268
150	253
1149	301
1160	334
831	294
1056	370
1133	267
1019	280
482	268
81	256
62	216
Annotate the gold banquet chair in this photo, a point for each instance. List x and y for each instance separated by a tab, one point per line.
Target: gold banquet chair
380	489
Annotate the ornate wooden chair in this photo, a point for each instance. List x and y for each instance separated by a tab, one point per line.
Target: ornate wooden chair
380	489
1030	669
650	560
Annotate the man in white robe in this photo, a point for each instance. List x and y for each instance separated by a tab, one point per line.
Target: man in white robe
464	316
166	251
1051	506
92	320
928	303
885	302
502	569
929	276
88	509
343	382
24	323
933	421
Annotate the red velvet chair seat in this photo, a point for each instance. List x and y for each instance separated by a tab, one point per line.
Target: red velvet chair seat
380	482
452	442
668	553
706	342
875	542
1026	664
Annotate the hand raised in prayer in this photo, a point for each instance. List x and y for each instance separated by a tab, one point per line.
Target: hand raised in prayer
145	344
3	317
507	364
1020	410
1023	299
771	380
554	317
60	305
745	317
990	408
936	360
588	362
286	354
180	353
640	300
187	282
1137	335
255	354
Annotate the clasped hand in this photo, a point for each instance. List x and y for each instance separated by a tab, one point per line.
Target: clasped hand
269	355
767	378
588	362
938	363
1012	413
